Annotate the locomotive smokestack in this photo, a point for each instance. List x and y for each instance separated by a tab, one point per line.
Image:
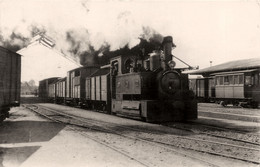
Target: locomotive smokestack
167	50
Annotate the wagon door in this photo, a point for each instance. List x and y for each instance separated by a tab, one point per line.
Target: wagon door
88	88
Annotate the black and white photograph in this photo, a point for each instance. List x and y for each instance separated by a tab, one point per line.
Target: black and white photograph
129	83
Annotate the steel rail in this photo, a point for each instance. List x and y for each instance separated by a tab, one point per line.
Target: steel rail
211	134
88	136
162	145
210	152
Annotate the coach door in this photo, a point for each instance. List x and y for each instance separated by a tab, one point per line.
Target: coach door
248	85
212	88
251	84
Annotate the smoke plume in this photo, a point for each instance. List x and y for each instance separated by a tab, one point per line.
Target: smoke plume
78	30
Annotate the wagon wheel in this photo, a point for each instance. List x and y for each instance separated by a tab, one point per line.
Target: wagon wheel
93	106
142	118
104	108
223	103
235	103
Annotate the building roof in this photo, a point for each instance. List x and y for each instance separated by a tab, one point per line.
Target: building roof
244	64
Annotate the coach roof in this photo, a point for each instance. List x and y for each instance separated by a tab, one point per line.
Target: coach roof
245	64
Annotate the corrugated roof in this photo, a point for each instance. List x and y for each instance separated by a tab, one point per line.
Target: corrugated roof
233	72
230	66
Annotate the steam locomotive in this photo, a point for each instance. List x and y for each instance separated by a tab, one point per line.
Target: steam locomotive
147	87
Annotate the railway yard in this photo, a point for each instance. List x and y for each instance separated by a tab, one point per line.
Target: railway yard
162	91
44	134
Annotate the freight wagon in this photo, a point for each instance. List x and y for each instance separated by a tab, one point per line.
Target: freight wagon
75	84
98	94
44	87
60	91
10	81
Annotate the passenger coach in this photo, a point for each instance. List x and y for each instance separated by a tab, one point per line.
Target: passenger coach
236	82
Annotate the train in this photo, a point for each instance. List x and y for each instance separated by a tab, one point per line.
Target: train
146	87
10	81
239	87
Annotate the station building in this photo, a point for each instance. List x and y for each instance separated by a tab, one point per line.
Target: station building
41	60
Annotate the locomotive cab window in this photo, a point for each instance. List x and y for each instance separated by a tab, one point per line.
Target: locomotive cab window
114	68
129	65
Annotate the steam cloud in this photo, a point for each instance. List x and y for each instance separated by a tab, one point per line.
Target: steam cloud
88	39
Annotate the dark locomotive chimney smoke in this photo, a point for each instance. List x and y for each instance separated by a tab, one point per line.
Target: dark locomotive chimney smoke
167	51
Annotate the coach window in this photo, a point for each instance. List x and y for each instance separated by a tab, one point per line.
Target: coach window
230	78
226	80
220	80
236	80
217	80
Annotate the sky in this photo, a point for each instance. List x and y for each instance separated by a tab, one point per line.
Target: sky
204	31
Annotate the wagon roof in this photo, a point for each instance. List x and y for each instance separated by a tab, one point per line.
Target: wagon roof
8	50
102	71
83	67
245	64
49	79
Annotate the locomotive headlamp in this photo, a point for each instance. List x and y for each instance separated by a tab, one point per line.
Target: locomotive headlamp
171	64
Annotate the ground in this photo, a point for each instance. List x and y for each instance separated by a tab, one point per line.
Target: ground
28	140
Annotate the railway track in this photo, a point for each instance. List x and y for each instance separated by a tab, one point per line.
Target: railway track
225	133
61	119
171	141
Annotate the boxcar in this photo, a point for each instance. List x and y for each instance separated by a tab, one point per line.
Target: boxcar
60	86
10	81
52	91
75	84
98	90
44	87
